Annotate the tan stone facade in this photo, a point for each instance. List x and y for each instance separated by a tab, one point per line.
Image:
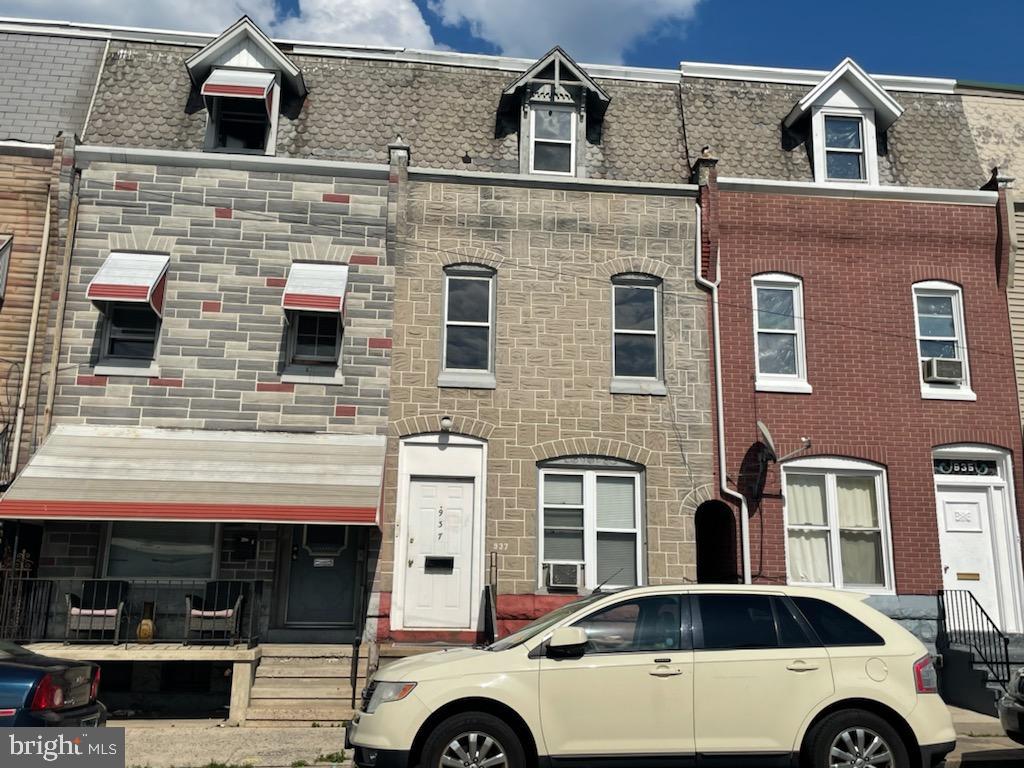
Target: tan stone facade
554	252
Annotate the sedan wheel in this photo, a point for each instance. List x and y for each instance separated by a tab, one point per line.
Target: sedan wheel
474	750
860	748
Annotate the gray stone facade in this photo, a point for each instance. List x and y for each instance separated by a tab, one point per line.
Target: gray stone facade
231	236
554	252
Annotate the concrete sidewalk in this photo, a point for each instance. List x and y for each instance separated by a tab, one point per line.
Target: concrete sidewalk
982	743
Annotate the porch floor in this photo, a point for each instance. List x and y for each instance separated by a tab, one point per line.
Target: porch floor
147	652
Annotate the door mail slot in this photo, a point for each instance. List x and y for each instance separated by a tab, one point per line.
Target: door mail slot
439	565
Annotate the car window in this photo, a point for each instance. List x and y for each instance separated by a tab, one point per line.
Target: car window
737	621
648	624
833	625
537	626
791	631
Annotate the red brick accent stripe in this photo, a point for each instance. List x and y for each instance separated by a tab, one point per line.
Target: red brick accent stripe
330	197
211	306
222	213
379	343
126	186
142	510
277	282
362	259
275	386
91	381
344	410
166	383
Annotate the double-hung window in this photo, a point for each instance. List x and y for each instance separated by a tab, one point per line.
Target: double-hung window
779	334
591	518
837	524
941	341
553	139
467	346
844	148
636	331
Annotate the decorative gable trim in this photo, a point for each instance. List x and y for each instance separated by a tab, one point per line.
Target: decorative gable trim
562	61
887	109
202	62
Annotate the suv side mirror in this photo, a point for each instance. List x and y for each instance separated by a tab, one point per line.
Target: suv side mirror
567	643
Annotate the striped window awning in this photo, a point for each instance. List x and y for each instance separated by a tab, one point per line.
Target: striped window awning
316	287
88	472
239	83
132	277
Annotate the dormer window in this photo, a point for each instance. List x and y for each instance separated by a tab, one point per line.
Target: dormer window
844	148
556	108
242	106
553	135
845	112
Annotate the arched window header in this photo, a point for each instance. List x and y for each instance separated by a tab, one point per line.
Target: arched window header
466	268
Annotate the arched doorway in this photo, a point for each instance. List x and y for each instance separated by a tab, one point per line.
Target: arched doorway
715	525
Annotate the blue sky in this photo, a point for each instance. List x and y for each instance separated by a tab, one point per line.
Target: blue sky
969	41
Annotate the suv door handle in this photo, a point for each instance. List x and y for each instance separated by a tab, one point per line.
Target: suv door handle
662	671
801	666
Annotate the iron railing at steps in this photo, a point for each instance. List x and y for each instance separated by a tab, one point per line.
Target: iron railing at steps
964	622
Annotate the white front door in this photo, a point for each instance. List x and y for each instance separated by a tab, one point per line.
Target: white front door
439	554
967	540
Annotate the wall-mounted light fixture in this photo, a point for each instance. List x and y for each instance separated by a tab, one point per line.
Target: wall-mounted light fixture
446	423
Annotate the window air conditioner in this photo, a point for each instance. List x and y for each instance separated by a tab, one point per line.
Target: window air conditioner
563	575
941	370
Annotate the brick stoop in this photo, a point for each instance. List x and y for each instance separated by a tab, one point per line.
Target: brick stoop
304	685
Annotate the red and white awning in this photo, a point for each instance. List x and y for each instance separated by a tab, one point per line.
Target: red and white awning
88	472
132	277
316	287
239	83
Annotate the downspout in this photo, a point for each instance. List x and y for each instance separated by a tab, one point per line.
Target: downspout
26	371
62	301
712	287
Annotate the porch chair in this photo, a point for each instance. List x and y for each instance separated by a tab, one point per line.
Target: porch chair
97	613
217	614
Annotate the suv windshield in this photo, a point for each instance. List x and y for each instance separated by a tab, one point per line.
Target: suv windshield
534	628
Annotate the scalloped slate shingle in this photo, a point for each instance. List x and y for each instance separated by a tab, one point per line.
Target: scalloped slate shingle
356	107
929	146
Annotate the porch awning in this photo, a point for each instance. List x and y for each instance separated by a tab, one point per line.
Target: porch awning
132	277
316	287
239	83
132	473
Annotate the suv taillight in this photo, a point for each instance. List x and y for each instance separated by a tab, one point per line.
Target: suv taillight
48	695
926	679
94	688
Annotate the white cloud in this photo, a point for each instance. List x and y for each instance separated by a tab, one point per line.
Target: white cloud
368	22
598	31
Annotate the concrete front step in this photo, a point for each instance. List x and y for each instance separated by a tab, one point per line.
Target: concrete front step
312	712
299	651
316	692
302	668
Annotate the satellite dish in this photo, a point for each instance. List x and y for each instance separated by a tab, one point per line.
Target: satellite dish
766	437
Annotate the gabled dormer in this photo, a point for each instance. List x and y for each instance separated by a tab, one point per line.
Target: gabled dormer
245	83
557	108
845	114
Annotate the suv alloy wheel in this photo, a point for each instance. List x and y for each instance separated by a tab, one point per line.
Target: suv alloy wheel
473	740
854	738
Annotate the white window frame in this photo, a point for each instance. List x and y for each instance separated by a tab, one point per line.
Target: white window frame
111	365
6	251
930	391
213	110
831	468
781	382
469	377
590	529
869	144
640	384
571	142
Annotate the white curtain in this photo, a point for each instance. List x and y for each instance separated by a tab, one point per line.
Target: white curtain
808	557
862	558
857	503
805	499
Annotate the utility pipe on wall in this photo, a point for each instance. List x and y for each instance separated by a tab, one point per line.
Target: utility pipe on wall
26	371
712	287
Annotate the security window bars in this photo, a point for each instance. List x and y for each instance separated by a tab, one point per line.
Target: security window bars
553	139
844	148
592	518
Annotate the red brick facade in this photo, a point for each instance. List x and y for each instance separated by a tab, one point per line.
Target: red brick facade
858	260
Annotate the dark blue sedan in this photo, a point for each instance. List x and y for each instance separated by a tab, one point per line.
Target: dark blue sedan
38	691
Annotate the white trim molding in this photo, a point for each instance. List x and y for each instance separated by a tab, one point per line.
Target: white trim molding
809	77
952	291
861	191
795	382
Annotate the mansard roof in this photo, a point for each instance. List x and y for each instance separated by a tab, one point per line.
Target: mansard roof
848	74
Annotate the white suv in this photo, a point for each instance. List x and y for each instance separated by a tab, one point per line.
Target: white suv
668	676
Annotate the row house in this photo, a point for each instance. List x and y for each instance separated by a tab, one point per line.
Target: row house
858	258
